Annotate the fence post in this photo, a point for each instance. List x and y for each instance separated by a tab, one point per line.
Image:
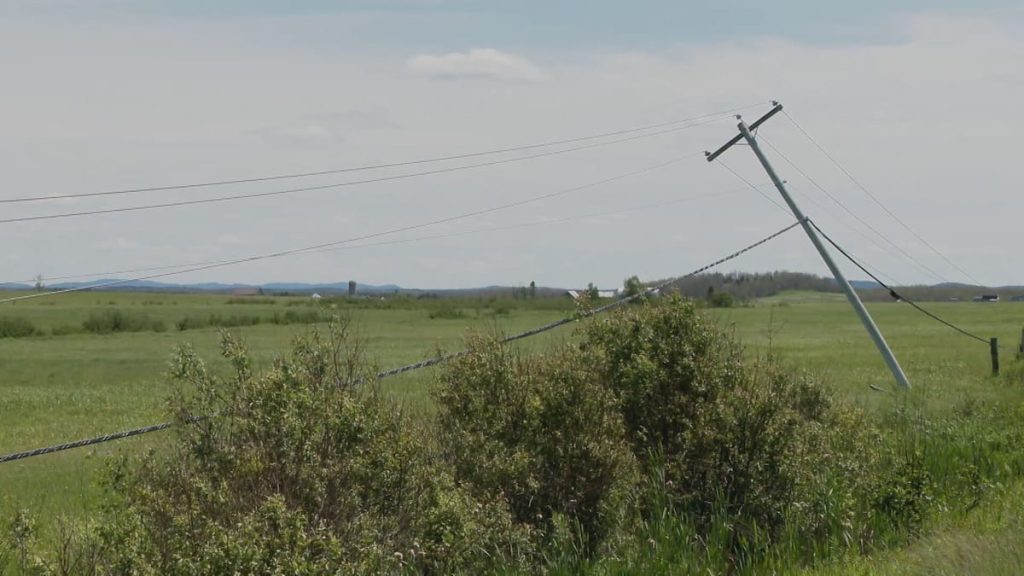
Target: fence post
1020	349
993	345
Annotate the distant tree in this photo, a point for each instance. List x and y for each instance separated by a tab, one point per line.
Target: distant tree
39	283
632	286
592	292
533	289
722	300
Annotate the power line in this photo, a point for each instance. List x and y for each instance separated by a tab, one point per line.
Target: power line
376	166
780	207
824	209
876	200
281	253
417	238
752	186
417	365
842	205
343	184
892	292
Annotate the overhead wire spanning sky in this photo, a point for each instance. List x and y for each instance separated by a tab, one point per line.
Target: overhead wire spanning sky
915	99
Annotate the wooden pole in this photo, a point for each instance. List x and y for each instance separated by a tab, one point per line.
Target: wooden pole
1020	350
993	345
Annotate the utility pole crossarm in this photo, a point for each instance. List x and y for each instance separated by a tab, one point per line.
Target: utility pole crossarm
775	110
746	133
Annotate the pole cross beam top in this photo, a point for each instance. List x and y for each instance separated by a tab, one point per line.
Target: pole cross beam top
776	108
746	133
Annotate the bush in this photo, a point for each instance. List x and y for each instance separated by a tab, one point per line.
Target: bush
294	317
235	320
541	433
298	472
751	439
721	300
742	452
111	321
15	327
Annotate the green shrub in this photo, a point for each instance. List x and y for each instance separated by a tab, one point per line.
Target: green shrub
15	327
299	473
447	312
116	320
217	320
748	437
721	300
539	431
295	317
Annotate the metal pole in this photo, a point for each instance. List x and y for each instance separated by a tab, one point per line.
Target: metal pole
851	295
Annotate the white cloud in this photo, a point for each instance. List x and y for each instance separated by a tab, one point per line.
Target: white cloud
477	63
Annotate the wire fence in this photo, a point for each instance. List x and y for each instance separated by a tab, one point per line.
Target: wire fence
422	363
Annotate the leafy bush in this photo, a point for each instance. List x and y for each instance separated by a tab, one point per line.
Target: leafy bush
295	317
298	472
721	300
116	320
196	322
541	433
15	327
747	437
735	443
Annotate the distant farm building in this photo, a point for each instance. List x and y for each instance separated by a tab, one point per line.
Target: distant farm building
576	294
351	287
316	296
987	298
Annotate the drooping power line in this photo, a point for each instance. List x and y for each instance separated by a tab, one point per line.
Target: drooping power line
251	180
892	291
350	183
408	368
456	234
282	253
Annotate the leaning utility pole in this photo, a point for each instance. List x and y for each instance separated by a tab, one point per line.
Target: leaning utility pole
746	132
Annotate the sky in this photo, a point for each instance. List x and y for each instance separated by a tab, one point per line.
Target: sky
916	100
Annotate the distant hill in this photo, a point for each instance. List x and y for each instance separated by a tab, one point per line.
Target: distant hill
741	285
116	284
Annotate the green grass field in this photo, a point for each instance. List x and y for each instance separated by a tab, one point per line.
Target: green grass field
66	387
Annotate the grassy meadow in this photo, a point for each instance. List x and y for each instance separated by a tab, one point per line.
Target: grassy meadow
66	382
